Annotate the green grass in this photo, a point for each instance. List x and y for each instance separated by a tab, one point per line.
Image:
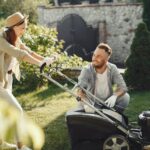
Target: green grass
47	107
140	101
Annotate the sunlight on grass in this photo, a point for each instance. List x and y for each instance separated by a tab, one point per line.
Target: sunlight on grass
49	113
58	105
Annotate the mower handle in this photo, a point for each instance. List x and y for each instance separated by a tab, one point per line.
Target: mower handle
76	84
120	127
42	67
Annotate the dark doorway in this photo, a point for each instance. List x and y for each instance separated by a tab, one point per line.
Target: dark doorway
79	38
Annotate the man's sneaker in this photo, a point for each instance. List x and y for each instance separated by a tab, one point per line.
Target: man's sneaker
24	148
7	146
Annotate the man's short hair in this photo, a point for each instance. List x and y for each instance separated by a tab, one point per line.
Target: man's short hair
105	47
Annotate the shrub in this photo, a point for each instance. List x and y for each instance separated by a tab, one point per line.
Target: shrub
44	41
2	23
146	13
137	74
25	6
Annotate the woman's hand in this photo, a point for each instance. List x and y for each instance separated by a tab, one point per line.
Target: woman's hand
49	60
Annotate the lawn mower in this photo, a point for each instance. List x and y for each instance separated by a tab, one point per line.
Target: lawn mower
105	129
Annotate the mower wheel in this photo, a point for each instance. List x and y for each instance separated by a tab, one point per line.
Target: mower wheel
116	142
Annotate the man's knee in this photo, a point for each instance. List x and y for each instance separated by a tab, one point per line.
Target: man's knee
125	98
122	102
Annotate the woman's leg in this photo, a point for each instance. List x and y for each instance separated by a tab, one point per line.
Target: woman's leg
10	82
8	97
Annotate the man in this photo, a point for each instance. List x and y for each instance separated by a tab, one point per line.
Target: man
103	80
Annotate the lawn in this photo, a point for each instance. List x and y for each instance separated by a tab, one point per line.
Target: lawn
47	107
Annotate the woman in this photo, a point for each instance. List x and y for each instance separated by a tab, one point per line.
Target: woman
11	50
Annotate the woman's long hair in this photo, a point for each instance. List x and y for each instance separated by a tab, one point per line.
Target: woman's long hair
11	36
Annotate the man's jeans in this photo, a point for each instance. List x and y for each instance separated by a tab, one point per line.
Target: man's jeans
122	102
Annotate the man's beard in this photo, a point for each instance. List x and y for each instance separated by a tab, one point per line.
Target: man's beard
99	65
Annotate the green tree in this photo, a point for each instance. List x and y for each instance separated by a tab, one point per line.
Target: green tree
7	7
139	0
146	13
137	74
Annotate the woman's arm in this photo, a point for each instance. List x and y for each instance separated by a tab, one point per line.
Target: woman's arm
34	54
32	60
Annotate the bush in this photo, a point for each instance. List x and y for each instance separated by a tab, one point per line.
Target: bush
2	23
146	13
25	6
44	41
137	74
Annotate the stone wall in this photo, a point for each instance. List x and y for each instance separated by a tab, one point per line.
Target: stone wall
119	22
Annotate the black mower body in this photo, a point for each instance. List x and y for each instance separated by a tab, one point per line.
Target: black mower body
89	131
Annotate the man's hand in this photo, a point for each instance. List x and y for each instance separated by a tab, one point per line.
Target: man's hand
81	94
110	102
88	109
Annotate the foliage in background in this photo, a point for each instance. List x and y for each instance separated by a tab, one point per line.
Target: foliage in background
44	41
146	13
96	1
77	1
30	7
137	74
7	7
139	0
135	1
2	23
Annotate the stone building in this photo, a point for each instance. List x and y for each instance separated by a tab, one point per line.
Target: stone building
113	23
